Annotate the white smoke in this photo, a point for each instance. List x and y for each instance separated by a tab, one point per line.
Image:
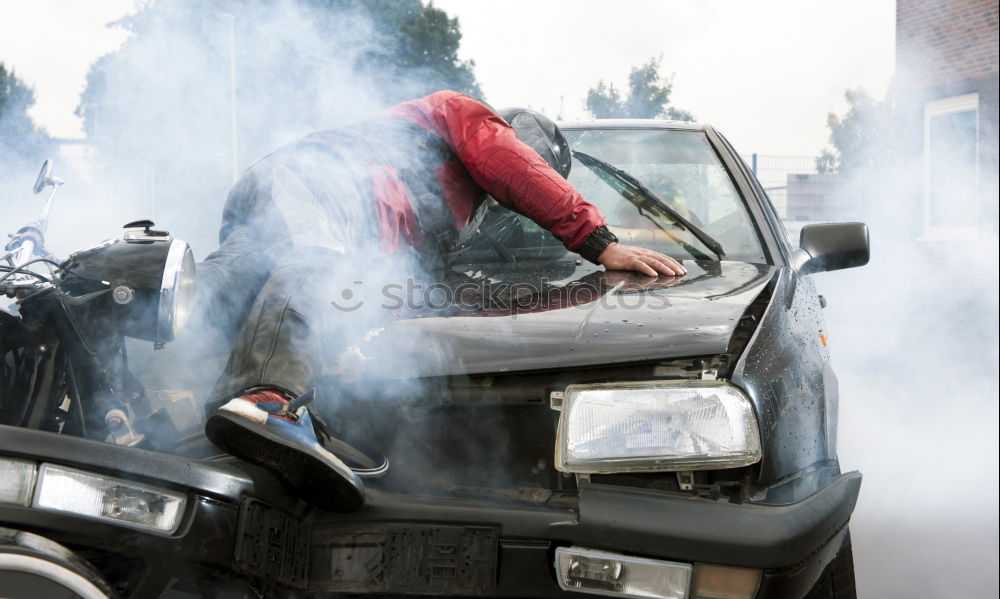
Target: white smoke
161	122
914	334
914	343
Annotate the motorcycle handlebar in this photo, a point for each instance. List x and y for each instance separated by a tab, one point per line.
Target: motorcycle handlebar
29	241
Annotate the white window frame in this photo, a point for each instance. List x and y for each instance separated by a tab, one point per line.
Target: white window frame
961	103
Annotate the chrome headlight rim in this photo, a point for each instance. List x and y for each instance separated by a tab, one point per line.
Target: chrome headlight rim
662	462
176	296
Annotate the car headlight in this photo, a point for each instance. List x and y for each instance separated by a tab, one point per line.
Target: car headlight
150	277
124	502
91	495
17	481
659	426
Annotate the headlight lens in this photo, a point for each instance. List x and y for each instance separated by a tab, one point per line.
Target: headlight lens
616	575
17	481
121	501
176	291
656	427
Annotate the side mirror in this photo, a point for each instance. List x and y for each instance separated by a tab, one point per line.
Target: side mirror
42	181
831	246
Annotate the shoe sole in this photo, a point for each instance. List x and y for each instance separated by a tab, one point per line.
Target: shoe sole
310	478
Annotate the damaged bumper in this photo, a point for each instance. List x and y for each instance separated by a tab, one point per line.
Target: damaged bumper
401	545
240	525
209	544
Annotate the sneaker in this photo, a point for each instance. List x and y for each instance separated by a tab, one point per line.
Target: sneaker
266	429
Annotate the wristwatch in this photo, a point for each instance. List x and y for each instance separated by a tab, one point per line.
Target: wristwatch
596	243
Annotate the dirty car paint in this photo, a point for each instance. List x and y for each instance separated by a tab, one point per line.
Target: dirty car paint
634	319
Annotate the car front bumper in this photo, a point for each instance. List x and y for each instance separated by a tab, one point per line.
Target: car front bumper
241	523
790	544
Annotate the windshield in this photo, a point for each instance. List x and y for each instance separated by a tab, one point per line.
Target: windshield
679	167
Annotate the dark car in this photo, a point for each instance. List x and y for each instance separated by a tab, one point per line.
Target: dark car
555	429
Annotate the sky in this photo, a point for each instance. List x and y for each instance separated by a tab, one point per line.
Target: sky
765	73
51	44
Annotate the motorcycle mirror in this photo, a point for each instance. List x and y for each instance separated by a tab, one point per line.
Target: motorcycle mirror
45	177
42	181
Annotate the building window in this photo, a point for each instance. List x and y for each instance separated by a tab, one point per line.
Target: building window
951	167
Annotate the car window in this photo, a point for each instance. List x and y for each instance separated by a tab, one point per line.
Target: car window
680	167
683	170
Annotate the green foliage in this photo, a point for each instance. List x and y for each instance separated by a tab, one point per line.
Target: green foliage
648	96
20	139
416	40
604	102
412	49
159	107
860	139
431	41
15	100
395	50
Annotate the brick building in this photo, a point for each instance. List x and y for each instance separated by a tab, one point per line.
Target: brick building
945	97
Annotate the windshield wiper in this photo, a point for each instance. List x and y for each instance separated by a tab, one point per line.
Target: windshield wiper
630	187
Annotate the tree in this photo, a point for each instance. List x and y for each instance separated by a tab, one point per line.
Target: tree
604	102
431	42
20	138
411	49
858	140
648	96
159	107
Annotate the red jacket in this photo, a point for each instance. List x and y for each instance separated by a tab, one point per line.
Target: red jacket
486	157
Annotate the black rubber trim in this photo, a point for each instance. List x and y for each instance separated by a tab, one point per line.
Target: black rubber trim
517	519
211	479
652	523
758	536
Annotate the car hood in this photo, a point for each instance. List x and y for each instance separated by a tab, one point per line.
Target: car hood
558	316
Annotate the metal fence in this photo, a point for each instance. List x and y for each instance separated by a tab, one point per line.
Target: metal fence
79	157
796	189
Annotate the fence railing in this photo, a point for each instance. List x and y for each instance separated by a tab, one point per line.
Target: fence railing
797	190
79	156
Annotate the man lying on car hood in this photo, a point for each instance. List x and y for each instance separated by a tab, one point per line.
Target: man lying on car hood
415	176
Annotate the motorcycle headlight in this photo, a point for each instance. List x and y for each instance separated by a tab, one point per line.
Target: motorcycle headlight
176	291
150	276
657	426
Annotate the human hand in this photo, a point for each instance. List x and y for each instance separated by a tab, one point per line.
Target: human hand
626	257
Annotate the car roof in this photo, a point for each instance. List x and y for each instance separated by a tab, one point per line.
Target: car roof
632	124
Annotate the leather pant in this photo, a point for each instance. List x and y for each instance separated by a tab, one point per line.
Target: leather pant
280	343
293	228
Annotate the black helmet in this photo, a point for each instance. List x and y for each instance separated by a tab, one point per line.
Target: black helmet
541	134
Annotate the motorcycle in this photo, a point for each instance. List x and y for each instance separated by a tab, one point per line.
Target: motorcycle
64	336
90	505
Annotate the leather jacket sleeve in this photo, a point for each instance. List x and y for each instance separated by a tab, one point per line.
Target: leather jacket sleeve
504	167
